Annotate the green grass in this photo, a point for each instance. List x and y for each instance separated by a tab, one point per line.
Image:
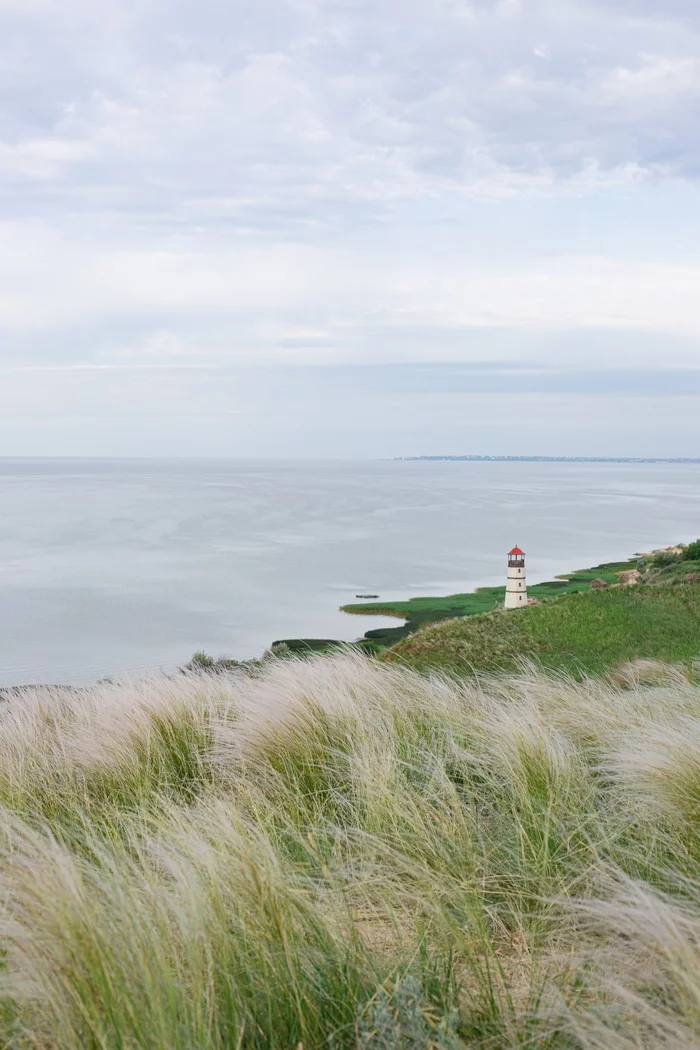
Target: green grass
420	611
580	633
679	572
342	854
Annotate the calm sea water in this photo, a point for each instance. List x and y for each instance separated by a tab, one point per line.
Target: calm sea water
122	566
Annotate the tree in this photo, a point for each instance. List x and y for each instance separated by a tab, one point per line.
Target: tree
692	551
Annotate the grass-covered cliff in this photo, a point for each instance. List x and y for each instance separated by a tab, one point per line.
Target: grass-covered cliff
581	633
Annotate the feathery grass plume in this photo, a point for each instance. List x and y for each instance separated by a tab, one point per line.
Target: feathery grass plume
658	766
644	950
348	855
89	756
195	936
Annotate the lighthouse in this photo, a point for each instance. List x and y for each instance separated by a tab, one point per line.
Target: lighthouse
516	587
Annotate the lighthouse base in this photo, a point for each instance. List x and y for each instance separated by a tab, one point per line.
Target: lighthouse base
516	587
515	600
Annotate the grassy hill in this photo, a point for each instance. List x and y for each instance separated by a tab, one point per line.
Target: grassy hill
684	571
340	854
580	633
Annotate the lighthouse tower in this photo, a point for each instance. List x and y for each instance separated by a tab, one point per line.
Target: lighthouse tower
516	587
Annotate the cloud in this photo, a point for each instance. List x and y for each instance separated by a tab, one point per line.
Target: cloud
202	111
328	103
210	186
329	302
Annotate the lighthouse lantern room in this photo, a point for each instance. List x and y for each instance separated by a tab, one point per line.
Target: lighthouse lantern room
516	585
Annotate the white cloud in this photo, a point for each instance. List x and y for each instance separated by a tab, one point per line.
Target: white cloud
328	102
310	302
42	158
195	185
656	76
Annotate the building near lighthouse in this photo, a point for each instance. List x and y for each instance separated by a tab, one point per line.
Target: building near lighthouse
516	585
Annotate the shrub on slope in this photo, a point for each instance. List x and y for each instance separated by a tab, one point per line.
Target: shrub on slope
691	552
681	570
345	854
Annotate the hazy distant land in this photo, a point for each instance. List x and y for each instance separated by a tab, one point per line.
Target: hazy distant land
551	459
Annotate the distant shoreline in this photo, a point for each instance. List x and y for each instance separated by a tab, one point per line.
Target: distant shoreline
547	459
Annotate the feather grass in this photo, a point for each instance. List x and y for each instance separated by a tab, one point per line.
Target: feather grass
341	853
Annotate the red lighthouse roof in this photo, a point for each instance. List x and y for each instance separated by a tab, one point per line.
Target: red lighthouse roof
516	553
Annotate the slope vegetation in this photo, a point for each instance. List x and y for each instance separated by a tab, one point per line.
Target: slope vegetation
587	632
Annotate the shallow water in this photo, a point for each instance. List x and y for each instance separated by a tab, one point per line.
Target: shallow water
126	565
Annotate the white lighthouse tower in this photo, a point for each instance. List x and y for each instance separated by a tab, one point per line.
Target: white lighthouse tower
516	586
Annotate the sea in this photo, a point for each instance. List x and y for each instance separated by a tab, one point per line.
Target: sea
120	567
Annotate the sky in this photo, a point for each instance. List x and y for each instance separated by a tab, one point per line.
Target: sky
349	227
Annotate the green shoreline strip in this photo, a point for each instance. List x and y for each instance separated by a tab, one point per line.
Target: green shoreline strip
419	611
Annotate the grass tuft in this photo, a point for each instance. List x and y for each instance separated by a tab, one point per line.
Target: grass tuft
347	855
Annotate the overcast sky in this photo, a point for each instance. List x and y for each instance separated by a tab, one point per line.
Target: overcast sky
349	227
